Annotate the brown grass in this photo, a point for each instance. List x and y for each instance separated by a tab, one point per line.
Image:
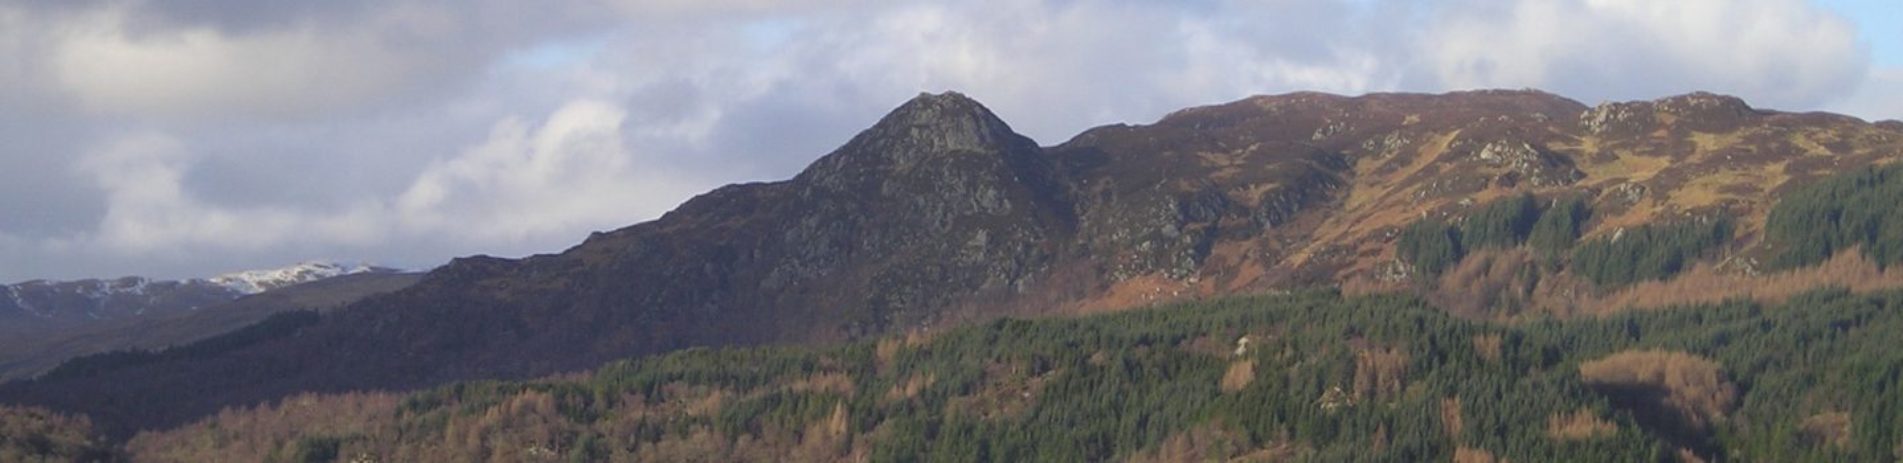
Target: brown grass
1134	293
1380	372
1214	442
1487	346
1465	454
828	382
910	387
1578	425
1688	456
708	404
1705	284
1694	387
1239	376
1488	283
1450	417
1831	429
888	348
824	440
883	353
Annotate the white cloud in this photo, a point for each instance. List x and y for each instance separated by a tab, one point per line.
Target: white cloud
1774	52
1879	97
148	211
571	174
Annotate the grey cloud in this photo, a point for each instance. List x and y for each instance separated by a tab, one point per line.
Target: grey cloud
463	152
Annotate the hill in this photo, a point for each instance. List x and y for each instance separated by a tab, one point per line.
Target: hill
29	353
43	323
940	215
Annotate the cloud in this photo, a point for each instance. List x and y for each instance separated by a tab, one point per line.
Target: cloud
219	59
1879	97
149	212
531	186
1785	53
243	133
201	71
573	173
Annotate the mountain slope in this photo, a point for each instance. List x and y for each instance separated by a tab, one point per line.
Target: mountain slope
939	214
43	323
1308	376
29	354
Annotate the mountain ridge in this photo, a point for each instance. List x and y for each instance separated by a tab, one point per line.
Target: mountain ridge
939	215
45	322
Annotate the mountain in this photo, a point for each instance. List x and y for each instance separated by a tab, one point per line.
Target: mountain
97	299
258	281
1499	205
43	323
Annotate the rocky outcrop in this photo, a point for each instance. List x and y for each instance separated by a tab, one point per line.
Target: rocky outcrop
1523	162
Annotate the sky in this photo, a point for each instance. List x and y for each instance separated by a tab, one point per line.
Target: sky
186	138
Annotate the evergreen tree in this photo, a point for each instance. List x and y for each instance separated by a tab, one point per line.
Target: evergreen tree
1430	245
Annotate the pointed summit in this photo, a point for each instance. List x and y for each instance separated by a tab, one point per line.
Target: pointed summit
933	124
949	112
927	127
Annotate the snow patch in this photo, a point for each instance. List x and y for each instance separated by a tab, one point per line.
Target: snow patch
258	281
18	301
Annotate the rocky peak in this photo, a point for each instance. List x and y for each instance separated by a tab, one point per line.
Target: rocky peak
948	121
1702	111
1618	117
1704	103
928	125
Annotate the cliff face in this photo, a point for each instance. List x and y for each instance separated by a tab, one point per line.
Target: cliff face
940	213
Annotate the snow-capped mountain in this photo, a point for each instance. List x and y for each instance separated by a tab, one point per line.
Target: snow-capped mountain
258	281
43	323
133	296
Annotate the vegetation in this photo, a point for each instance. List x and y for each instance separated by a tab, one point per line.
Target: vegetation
277	325
1856	209
1309	376
1433	246
1558	229
29	435
1650	252
1430	246
1504	223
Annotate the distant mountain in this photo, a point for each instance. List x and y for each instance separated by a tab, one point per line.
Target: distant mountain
258	281
98	299
1491	204
43	323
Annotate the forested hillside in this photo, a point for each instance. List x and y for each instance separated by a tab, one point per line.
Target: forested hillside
1309	376
1506	275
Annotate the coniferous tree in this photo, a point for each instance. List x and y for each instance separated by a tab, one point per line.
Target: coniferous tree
1430	245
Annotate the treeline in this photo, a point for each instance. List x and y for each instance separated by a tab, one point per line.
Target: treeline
1855	209
1648	252
1433	245
277	325
1310	376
